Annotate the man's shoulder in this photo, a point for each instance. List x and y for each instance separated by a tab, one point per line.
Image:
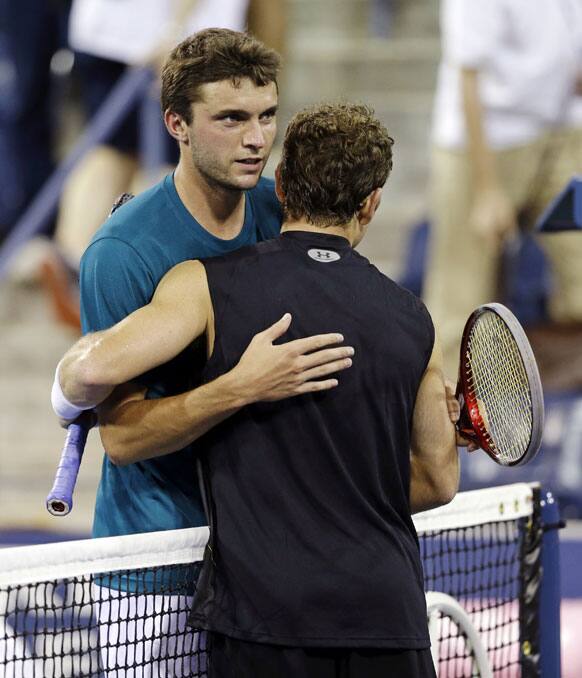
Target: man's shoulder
137	217
267	209
244	257
393	288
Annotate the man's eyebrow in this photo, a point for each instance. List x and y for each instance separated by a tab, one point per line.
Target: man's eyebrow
241	112
231	111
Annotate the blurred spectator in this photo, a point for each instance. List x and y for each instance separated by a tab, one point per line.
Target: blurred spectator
267	21
30	33
381	16
108	36
507	136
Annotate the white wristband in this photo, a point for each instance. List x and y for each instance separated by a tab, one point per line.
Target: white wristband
61	406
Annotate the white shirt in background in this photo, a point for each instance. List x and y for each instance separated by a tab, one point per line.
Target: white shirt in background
527	52
130	31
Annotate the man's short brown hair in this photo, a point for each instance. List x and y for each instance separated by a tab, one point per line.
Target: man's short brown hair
209	56
334	156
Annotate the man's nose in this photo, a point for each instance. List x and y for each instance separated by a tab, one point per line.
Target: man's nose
254	135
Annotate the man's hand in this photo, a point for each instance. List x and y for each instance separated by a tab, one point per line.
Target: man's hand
271	372
454	410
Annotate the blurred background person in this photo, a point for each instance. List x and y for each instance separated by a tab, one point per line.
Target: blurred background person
108	37
31	31
381	17
507	136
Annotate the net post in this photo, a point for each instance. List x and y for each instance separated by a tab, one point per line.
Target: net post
530	588
550	589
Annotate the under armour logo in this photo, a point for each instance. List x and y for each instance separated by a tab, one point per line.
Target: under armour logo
323	256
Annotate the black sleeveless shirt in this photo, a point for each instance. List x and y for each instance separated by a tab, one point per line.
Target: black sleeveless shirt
312	543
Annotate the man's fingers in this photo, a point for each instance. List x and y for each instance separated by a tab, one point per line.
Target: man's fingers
454	410
314	386
450	387
279	328
314	343
326	355
465	442
328	368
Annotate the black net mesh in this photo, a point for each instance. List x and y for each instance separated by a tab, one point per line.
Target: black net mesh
480	568
130	623
133	624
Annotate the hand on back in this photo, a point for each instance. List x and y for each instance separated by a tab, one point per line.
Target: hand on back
269	372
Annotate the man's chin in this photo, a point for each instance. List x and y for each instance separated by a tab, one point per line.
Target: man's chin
246	182
240	182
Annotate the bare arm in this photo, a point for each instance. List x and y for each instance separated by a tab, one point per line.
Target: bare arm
134	428
492	215
434	457
178	313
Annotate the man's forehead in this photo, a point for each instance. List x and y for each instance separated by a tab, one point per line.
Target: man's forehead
242	93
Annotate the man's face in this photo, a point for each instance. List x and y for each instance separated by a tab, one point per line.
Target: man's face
232	132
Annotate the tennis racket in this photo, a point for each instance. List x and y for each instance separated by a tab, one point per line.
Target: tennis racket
499	387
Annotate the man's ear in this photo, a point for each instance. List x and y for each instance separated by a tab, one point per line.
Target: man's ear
369	206
278	188
176	126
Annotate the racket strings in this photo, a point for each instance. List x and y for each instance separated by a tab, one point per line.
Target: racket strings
499	387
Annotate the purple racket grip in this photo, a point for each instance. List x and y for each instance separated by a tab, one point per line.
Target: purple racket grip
60	499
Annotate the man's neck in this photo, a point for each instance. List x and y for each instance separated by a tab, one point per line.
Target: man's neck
347	231
219	210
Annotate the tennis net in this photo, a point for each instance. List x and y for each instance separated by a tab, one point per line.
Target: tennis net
482	561
119	606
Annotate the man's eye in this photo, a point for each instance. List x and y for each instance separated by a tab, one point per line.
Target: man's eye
231	118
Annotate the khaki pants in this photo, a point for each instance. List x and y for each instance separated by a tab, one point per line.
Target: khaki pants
462	270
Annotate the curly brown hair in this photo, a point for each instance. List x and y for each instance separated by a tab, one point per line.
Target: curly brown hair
209	56
334	156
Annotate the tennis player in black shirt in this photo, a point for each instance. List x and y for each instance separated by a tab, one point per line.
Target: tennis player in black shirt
313	566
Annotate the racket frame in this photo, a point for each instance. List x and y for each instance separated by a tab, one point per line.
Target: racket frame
471	424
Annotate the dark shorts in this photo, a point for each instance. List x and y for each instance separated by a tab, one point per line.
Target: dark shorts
231	658
97	77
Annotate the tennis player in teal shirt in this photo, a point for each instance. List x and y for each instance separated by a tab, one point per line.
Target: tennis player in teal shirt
219	100
120	270
219	97
209	206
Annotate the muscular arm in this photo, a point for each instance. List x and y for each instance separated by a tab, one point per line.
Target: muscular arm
179	312
434	457
132	428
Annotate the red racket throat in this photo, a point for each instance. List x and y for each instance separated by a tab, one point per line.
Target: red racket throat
471	423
